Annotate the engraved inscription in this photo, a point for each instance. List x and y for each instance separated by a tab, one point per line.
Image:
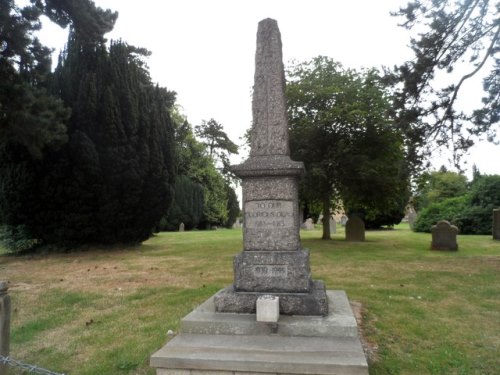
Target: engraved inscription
269	214
263	270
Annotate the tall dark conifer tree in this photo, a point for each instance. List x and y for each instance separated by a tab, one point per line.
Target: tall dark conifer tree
118	168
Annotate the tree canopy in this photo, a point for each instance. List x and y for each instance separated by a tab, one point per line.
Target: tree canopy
111	176
28	114
436	186
341	130
219	146
196	162
456	41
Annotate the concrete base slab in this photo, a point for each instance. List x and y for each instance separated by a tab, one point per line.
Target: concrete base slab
264	354
340	321
229	343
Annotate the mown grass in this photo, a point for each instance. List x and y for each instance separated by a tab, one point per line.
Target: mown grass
106	312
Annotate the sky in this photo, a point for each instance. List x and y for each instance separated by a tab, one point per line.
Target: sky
205	50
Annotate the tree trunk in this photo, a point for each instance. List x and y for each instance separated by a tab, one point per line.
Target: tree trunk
326	217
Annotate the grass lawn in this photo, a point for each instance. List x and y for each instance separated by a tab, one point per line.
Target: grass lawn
105	312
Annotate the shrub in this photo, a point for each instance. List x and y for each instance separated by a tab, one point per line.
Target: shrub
16	239
449	209
484	196
471	213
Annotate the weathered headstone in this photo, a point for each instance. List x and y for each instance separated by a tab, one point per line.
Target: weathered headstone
308	224
444	236
412	218
343	220
4	323
237	224
333	225
355	229
181	227
272	260
496	224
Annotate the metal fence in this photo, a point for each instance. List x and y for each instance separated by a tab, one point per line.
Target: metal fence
9	365
12	366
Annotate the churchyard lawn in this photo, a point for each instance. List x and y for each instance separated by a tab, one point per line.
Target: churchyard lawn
106	311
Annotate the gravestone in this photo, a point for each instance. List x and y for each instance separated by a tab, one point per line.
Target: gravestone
412	218
181	227
343	220
237	224
355	229
272	260
333	225
444	236
496	224
308	224
298	327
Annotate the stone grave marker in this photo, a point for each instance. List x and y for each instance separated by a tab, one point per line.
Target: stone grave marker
355	229
237	224
444	236
412	218
496	224
343	220
181	227
308	224
333	225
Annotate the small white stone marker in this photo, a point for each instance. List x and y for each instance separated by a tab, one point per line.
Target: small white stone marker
268	308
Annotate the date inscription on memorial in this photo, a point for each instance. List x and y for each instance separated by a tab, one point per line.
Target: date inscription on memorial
269	214
265	270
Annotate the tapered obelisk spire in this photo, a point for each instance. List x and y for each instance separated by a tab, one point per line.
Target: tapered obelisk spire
270	127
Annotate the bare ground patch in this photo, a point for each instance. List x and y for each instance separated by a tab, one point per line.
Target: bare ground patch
370	348
116	271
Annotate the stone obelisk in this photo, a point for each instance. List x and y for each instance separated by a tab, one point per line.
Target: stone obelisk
272	260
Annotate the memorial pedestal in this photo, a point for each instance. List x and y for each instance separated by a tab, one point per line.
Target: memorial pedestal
230	343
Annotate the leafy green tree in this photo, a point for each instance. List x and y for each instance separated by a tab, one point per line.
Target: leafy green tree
484	196
197	164
219	146
437	186
233	207
452	35
341	131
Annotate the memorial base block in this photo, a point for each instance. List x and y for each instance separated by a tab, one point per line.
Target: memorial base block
272	272
236	344
312	303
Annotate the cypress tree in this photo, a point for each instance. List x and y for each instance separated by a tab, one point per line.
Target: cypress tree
118	167
187	206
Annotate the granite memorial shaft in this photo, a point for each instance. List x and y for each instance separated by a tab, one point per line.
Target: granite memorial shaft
272	260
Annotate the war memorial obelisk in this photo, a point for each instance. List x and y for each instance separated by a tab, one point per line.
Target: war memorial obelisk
272	260
315	331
